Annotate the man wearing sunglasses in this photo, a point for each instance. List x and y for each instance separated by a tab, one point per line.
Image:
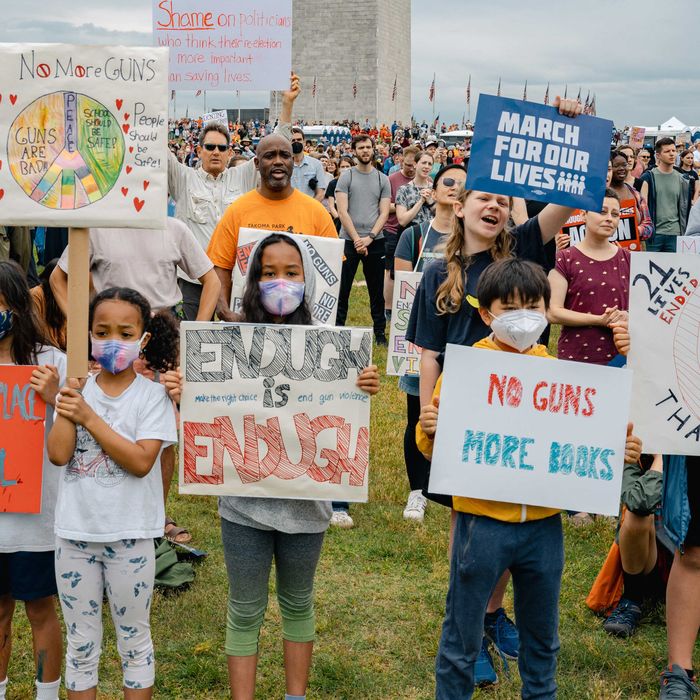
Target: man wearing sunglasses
202	194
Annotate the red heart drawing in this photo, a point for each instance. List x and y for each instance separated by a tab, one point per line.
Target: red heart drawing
125	128
138	203
125	191
126	116
146	183
13	99
2	193
128	169
131	149
119	103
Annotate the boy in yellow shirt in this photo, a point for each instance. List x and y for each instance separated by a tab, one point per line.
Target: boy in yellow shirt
491	536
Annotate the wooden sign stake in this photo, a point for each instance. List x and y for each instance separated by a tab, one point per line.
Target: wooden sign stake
78	300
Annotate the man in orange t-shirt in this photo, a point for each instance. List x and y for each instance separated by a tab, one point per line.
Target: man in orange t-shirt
274	206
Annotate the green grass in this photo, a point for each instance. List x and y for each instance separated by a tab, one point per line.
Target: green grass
379	602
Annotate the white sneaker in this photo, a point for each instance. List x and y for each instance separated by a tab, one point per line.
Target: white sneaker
342	519
415	507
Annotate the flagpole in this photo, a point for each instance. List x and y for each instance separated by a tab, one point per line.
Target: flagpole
175	103
469	99
205	102
433	100
315	100
238	95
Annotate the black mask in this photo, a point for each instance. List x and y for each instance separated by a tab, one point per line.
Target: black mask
297	147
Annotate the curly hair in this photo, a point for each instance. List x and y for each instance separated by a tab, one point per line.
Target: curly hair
161	351
252	309
27	336
450	293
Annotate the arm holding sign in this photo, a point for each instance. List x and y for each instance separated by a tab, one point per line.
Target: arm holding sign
288	98
44	381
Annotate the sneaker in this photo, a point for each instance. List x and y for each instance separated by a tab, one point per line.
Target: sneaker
415	507
380	339
484	672
342	519
624	619
501	630
675	685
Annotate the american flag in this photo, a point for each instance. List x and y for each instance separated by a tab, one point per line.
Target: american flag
587	104
431	92
172	94
469	90
354	88
313	88
525	91
393	92
498	92
546	95
578	99
198	93
566	90
591	107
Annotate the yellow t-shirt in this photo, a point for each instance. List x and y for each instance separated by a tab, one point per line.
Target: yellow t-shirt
298	213
507	512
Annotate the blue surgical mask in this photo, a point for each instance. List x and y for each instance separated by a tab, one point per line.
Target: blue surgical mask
281	297
5	322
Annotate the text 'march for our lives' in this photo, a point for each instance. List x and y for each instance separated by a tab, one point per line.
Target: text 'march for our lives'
66	150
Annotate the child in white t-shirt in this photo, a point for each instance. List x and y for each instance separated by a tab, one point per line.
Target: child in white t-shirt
109	434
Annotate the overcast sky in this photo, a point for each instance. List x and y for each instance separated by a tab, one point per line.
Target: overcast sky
638	56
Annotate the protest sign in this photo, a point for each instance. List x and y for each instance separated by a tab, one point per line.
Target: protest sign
218	117
524	149
327	257
403	357
637	134
220	45
626	235
665	351
524	429
274	411
21	441
83	133
688	244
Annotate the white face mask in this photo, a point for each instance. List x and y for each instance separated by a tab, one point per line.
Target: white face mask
519	329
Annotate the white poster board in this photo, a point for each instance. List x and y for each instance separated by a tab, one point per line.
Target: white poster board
327	257
531	430
403	357
218	117
665	351
274	411
224	45
83	135
688	244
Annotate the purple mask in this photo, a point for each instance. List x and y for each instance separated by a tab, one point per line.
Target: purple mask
281	297
116	355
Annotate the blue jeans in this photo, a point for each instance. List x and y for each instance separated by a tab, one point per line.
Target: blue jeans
483	549
662	243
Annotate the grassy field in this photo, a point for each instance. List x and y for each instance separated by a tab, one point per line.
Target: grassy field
380	598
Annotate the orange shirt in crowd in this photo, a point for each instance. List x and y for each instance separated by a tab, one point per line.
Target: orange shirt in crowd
297	213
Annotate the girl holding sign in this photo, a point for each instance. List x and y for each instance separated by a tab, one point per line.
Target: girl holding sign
280	283
110	436
26	540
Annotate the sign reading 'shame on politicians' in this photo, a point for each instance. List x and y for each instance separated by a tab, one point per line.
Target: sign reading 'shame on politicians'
274	411
21	441
83	135
403	357
224	45
528	150
326	256
530	430
665	351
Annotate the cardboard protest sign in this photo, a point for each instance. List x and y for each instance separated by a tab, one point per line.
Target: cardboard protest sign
327	257
274	411
626	235
637	134
688	244
218	117
530	430
402	357
220	45
524	149
83	135
665	351
21	441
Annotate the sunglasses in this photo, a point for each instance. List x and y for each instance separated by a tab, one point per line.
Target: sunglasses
213	146
644	157
449	181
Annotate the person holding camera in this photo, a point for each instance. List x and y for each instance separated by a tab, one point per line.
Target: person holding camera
308	176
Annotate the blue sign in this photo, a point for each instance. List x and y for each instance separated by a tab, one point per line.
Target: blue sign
528	150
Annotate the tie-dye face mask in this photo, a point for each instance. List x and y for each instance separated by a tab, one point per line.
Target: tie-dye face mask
116	355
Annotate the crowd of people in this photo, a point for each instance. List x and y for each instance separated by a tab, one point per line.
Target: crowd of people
496	273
